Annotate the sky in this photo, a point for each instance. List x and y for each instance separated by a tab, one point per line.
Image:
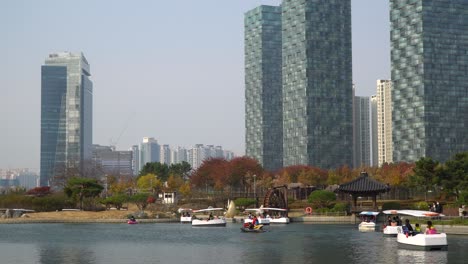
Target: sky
172	70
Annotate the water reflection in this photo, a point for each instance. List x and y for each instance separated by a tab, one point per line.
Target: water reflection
417	256
55	254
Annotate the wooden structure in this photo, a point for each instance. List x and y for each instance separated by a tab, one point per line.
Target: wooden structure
363	186
276	197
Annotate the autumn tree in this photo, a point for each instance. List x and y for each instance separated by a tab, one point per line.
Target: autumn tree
149	182
174	182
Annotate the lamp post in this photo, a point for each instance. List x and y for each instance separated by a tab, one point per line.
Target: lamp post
255	186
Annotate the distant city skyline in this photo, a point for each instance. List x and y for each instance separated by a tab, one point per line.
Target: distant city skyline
177	76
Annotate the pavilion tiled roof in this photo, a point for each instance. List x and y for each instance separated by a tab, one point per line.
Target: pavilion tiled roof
363	184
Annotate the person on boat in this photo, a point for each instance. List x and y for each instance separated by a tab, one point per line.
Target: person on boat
211	216
408	226
389	220
430	229
254	222
417	229
398	220
132	218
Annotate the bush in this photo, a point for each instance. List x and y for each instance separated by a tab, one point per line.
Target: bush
463	198
322	199
116	200
340	207
244	202
391	206
421	206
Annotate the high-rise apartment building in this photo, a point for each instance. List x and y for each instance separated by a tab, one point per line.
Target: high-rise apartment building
362	132
384	122
317	83
66	114
263	107
165	154
429	43
135	160
374	141
150	151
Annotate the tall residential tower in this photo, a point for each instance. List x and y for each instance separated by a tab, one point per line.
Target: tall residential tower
66	114
429	57
317	83
263	107
384	121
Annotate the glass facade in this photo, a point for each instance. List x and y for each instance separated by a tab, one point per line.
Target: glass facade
263	108
66	114
317	83
429	56
362	132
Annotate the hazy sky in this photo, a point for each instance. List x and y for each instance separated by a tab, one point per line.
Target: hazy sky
172	70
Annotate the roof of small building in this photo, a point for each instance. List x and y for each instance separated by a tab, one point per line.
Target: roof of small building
363	184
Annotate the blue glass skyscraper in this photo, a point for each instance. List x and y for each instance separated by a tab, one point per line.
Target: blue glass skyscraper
317	83
263	105
429	56
66	114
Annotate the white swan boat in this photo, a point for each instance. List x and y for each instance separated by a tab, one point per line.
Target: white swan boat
368	221
437	241
217	220
277	215
185	215
260	217
422	241
392	230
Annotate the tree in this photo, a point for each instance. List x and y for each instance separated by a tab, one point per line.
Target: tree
322	198
180	169
454	174
149	181
174	182
425	174
140	200
156	168
79	188
185	189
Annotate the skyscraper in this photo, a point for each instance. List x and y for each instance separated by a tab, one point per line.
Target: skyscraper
150	151
66	114
374	141
263	107
362	134
384	121
317	83
429	43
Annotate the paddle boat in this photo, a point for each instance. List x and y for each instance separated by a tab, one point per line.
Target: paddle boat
368	221
431	240
212	220
262	220
185	215
132	221
255	229
391	228
276	215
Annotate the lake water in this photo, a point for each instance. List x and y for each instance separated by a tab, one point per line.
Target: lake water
182	243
